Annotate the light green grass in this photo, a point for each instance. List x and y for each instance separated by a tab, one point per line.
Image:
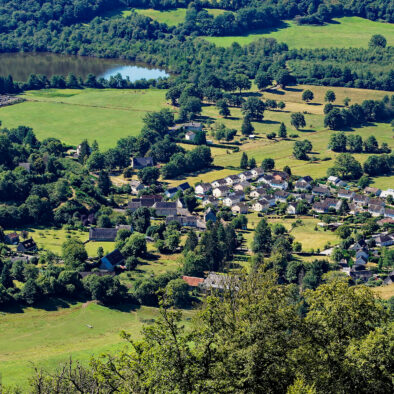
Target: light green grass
73	115
171	17
345	32
306	234
48	337
52	239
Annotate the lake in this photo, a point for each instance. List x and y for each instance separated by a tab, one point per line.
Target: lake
21	65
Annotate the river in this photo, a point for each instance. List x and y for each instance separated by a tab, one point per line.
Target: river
21	65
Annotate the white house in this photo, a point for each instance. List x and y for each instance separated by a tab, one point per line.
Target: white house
376	210
231	200
276	184
345	194
334	180
258	171
221	191
291	209
242	186
386	193
257	193
219	182
190	136
246	175
389	213
203	188
136	186
210	200
240	208
232	179
260	206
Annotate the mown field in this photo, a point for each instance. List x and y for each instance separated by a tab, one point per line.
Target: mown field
73	114
51	334
344	32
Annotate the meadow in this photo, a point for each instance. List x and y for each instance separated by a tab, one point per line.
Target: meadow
344	32
281	149
75	114
55	331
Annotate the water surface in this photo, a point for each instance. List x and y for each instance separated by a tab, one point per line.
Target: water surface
21	65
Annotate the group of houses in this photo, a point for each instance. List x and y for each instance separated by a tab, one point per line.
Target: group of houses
22	246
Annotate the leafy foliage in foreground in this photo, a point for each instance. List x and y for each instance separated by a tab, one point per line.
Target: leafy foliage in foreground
257	337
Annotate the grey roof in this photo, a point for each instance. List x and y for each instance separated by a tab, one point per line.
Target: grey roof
102	233
115	257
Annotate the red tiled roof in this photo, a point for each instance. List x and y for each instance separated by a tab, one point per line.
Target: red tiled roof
192	281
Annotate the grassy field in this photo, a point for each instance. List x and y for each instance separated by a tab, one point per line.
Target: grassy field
170	17
49	336
384	292
344	32
281	150
72	114
306	234
52	239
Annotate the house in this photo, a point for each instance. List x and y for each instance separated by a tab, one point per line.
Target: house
203	188
184	186
239	208
360	199
257	193
278	184
257	172
334	180
111	260
372	190
193	281
384	221
354	209
376	201
281	196
242	186
221	191
386	193
183	220
280	175
210	200
232	179
141	162
345	194
358	245
291	209
209	215
361	260
246	175
191	126
233	198
384	240
26	166
97	234
375	210
136	186
11	239
169	193
359	272
190	136
327	204
165	208
144	201
219	182
27	246
362	253
267	178
302	185
344	266
321	191
219	282
304	197
261	206
389	213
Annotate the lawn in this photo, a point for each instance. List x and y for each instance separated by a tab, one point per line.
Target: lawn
72	115
344	32
52	239
306	234
51	335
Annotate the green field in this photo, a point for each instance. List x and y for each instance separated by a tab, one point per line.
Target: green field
344	32
49	336
170	17
281	150
73	115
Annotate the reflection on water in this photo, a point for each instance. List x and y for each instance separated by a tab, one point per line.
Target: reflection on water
21	65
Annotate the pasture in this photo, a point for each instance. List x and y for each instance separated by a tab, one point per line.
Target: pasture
54	332
281	149
75	114
344	32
